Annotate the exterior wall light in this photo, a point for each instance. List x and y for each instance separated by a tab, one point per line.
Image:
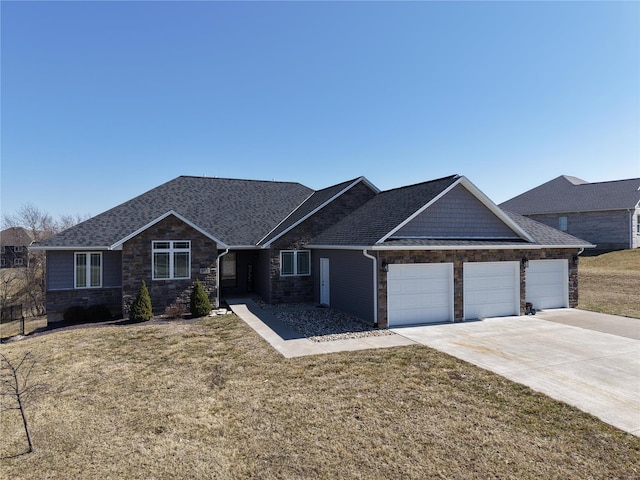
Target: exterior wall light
524	262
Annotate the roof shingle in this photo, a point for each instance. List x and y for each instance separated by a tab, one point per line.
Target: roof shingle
570	194
238	212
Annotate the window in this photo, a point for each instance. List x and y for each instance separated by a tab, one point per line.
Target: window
171	260
295	262
563	223
88	272
18	249
18	262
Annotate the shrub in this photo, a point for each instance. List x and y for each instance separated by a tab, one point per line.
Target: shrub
75	314
200	304
175	310
98	313
141	309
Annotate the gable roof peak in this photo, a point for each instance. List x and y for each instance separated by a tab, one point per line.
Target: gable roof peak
573	180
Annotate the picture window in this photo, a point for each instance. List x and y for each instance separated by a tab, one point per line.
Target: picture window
171	260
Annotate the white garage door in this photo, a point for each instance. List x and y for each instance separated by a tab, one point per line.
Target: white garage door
548	283
420	293
491	289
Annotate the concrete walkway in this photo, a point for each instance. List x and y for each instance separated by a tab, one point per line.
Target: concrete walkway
600	322
596	372
292	344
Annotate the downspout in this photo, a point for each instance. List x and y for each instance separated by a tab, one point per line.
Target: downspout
631	232
218	287
375	287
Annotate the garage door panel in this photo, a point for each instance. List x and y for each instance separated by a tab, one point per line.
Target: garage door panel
419	293
415	285
491	289
547	283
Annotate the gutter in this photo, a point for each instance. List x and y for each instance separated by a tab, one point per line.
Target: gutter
519	246
218	287
375	287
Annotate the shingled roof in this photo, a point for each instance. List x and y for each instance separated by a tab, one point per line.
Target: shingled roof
16	237
381	214
571	194
370	225
236	212
313	203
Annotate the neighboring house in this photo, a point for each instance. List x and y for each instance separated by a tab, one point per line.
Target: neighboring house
15	242
435	251
606	214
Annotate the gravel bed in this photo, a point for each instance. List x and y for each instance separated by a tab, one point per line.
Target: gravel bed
321	324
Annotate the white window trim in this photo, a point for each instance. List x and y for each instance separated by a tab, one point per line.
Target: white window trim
18	262
295	263
18	249
87	270
171	250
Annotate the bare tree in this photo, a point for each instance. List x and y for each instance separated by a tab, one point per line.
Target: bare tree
41	225
15	387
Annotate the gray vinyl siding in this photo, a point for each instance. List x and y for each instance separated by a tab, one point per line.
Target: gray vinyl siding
351	281
111	269
608	230
60	266
458	214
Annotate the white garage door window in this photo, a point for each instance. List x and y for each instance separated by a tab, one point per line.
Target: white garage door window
491	289
420	293
547	283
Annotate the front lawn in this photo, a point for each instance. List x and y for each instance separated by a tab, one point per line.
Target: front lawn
210	399
609	283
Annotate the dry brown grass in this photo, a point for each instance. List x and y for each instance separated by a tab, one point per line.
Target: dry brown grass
210	399
609	283
11	329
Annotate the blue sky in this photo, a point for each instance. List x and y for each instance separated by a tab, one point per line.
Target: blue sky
102	101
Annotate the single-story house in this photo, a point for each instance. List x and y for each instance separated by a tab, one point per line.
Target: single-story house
606	214
435	251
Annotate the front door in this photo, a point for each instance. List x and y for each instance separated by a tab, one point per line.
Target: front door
324	281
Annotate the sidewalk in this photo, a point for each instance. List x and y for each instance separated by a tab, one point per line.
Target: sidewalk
292	344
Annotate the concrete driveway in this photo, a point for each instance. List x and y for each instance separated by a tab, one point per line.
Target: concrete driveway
594	371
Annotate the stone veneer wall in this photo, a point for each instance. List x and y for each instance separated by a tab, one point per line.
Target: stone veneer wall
300	288
136	266
59	300
458	258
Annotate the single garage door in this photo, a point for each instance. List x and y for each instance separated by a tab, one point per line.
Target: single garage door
547	283
419	293
491	289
